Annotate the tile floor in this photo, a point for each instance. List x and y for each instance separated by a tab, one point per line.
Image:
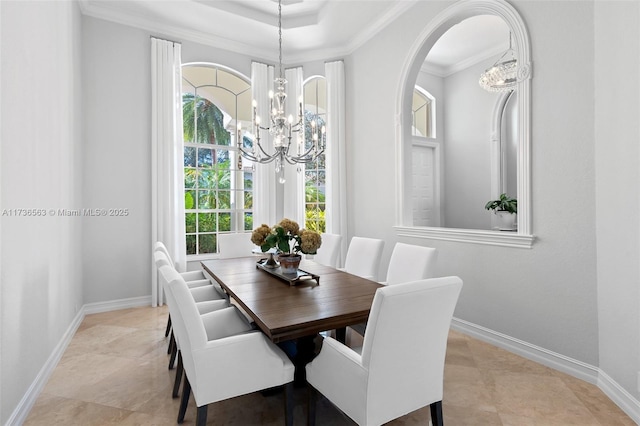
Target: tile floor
115	372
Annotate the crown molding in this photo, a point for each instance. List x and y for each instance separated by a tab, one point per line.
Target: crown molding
446	71
396	10
102	10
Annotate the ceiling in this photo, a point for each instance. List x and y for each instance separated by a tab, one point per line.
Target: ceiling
312	29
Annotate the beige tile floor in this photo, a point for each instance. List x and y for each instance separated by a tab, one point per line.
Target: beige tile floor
115	372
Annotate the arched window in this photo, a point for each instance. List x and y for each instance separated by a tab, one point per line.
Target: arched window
218	196
315	116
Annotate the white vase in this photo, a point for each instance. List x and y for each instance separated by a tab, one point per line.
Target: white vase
506	221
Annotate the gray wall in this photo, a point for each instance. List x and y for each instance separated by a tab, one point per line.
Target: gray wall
547	295
617	132
41	289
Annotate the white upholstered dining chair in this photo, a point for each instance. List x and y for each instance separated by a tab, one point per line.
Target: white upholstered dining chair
194	277
329	250
220	366
235	245
408	263
363	257
207	299
401	365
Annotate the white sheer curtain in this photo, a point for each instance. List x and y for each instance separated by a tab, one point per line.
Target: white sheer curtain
264	181
167	161
336	195
294	185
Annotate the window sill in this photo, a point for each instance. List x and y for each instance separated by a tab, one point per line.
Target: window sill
475	236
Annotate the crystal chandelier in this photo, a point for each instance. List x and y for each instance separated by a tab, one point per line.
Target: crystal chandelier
502	76
282	128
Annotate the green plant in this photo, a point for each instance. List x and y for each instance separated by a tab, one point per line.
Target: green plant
504	203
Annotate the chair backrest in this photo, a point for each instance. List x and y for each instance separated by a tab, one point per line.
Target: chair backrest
159	246
405	345
235	245
329	250
161	259
194	335
363	257
411	263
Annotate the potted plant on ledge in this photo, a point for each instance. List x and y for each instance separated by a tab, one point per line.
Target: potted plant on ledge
506	210
280	238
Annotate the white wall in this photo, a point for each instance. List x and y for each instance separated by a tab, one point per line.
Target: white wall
468	116
41	168
117	140
546	295
617	132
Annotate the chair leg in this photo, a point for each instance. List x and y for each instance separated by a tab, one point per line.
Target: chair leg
436	414
179	371
288	404
166	332
186	392
311	405
201	416
172	341
174	354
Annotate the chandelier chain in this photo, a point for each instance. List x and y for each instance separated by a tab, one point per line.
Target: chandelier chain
280	36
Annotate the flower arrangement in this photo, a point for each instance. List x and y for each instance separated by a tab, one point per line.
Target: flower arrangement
281	235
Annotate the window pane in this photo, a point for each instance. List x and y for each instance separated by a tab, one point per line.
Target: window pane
206	222
207	178
190	222
190	177
224	199
225	179
248	200
248	221
225	222
222	158
207	243
189	156
248	180
206	200
191	244
205	157
189	200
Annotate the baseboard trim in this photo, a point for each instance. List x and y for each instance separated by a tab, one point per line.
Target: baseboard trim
114	305
21	412
620	396
573	367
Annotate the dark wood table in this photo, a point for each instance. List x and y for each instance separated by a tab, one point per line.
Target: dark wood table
285	312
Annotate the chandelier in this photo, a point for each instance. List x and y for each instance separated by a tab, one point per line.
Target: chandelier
502	76
281	128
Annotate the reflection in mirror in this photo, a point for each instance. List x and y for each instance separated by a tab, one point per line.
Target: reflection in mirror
465	117
509	147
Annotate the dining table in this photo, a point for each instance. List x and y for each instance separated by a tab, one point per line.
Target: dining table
295	312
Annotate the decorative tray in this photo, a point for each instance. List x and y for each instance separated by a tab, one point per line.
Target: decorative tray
292	279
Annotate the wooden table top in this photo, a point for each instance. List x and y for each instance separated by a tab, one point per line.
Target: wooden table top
285	312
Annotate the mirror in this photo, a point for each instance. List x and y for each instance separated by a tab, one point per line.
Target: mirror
471	166
450	73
